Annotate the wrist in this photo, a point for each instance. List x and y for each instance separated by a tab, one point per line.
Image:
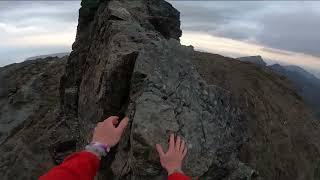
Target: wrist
97	149
105	146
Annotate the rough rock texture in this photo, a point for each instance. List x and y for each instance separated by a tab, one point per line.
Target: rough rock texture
99	71
240	121
172	97
29	106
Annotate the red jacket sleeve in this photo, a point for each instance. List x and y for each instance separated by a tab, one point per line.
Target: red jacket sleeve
78	166
178	176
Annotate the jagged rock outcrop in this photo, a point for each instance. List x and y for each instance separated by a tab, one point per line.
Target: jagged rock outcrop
129	65
240	121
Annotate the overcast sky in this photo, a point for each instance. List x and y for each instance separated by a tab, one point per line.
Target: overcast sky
285	32
30	28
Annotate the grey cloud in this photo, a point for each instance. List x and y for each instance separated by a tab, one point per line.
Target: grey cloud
191	13
19	19
294	31
275	51
237	30
211	13
292	26
24	12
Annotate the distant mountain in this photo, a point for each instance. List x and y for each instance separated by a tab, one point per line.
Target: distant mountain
254	59
306	84
301	71
59	55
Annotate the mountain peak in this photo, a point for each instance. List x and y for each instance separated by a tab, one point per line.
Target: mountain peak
253	59
301	71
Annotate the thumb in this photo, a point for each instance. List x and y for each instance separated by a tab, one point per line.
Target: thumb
123	124
160	149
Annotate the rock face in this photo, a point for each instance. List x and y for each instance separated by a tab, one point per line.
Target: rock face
172	97
110	36
29	106
240	121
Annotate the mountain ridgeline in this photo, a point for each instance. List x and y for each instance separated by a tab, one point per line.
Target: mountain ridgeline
305	83
240	121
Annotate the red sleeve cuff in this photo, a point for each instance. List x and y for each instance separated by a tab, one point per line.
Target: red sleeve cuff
84	161
178	176
80	165
84	154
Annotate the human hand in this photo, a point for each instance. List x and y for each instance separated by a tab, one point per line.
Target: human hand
172	160
106	132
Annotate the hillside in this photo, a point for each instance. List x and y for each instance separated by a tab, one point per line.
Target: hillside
240	121
305	83
58	55
278	120
29	106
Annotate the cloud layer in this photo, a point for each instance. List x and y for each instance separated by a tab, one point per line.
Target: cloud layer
30	28
291	25
280	31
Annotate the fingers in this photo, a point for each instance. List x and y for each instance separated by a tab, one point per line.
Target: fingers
123	124
160	150
178	143
171	142
182	146
184	153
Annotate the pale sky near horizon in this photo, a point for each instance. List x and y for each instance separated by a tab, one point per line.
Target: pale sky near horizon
285	32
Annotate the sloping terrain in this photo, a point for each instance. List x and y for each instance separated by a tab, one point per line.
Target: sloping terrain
283	137
56	55
305	83
29	106
240	121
